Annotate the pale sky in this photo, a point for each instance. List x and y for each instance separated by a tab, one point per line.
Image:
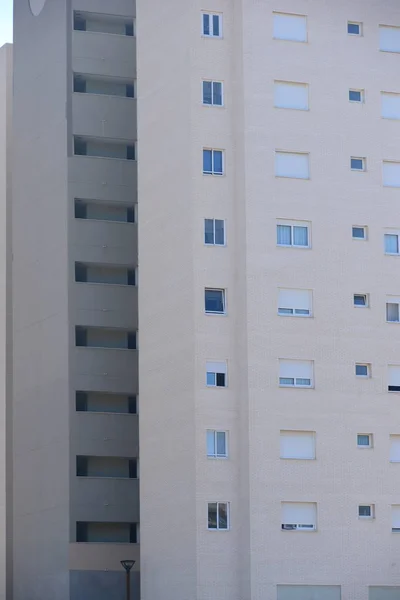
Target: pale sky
5	21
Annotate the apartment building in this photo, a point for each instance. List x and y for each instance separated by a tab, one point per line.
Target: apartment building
268	357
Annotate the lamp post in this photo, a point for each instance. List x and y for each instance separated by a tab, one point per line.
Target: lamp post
128	564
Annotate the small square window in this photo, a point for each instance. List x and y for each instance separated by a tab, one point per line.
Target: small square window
356	95
366	511
357	164
364	440
214	301
354	28
362	370
359	232
361	300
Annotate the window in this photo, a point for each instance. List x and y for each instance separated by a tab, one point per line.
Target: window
299	516
295	303
213	162
217	446
214	232
366	511
395	518
390	105
294	165
391	174
361	300
297	445
362	370
99	211
359	232
218	516
216	374
357	164
392	309
394	448
213	93
356	95
364	440
212	25
102	402
289	27
288	94
394	378
389	38
296	373
354	28
214	301
293	233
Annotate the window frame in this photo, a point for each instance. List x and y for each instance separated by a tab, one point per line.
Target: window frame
366	517
366	305
398	310
365	230
360	101
363	163
216	455
213	172
368	373
223	297
370	441
211	25
228	516
292	224
212	104
215	373
360	28
214	235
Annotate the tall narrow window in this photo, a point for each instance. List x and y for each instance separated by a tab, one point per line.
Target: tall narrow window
212	93
213	162
214	232
212	25
392	310
218	516
217	444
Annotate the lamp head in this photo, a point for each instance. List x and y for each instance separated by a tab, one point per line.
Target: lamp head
127	564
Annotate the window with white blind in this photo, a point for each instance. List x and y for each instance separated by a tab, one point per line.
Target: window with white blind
294	165
389	38
296	373
298	444
299	516
392	245
392	309
390	105
288	94
394	455
396	518
293	233
294	303
391	173
290	27
216	374
394	378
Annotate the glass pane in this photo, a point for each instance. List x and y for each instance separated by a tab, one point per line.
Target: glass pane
284	235
207	161
363	440
357	164
354	96
217	162
302	381
222	516
216	25
212	515
220	379
210	378
364	511
302	311
362	370
210	443
359	233
392	312
214	301
208	231
219	232
353	28
221	446
206	24
286	380
217	93
360	300
300	236
285	311
391	243
207	92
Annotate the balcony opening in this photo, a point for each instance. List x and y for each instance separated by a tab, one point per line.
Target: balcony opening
106	274
106	86
100	211
106	466
100	148
109	533
101	402
102	23
104	337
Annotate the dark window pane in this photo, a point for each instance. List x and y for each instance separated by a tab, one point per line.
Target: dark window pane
81	466
359	232
220	379
217	162
131	277
130	215
81	401
219	232
394	388
132	469
81	531
207	161
212	515
357	164
79	85
80	336
209	231
132	533
353	28
354	96
130	92
207	92
79	23
129	29
80	210
206	24
222	516
132	405
130	152
80	147
132	340
221	445
216	25
217	93
80	272
214	301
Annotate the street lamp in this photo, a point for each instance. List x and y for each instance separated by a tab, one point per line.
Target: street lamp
128	564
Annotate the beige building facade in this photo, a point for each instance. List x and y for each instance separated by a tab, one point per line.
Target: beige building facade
246	154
